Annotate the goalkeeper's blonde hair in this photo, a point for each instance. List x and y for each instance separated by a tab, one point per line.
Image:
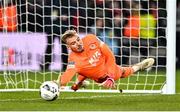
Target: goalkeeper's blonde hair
68	34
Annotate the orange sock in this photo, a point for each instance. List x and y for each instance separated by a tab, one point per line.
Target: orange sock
127	71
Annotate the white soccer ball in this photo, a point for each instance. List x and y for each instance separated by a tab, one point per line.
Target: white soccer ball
49	90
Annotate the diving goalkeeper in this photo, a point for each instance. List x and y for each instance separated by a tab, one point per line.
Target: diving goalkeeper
93	59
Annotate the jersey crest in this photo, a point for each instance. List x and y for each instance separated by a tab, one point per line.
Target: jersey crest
92	46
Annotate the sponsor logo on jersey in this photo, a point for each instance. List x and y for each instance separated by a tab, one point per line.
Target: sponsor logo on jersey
95	58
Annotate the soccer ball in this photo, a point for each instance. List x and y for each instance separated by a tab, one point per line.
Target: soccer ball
49	91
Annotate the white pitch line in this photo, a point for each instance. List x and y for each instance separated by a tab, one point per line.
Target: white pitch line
105	96
81	97
90	97
32	99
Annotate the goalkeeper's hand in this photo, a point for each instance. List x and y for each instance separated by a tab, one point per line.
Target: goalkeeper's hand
75	87
108	83
78	85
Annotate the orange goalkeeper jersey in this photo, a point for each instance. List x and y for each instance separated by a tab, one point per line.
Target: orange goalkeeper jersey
96	61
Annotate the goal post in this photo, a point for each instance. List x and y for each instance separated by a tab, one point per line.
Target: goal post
171	47
32	52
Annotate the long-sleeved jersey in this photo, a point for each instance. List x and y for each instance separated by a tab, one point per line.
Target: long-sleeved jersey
96	61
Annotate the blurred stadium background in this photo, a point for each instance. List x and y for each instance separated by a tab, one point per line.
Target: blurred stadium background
116	22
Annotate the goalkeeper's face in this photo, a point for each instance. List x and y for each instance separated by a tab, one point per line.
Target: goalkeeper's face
75	44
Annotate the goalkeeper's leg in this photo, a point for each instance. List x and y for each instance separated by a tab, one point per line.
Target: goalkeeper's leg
143	64
128	71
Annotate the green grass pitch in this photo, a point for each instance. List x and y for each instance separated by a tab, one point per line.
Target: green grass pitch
71	101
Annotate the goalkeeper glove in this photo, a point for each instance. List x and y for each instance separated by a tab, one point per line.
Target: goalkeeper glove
75	87
82	84
108	83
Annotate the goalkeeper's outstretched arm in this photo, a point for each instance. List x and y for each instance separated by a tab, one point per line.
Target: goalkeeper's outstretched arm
65	77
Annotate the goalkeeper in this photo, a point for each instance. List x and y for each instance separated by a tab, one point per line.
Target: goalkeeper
91	58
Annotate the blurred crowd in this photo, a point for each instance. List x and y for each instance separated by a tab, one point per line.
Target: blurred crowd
137	26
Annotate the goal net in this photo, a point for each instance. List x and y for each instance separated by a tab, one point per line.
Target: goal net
32	52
